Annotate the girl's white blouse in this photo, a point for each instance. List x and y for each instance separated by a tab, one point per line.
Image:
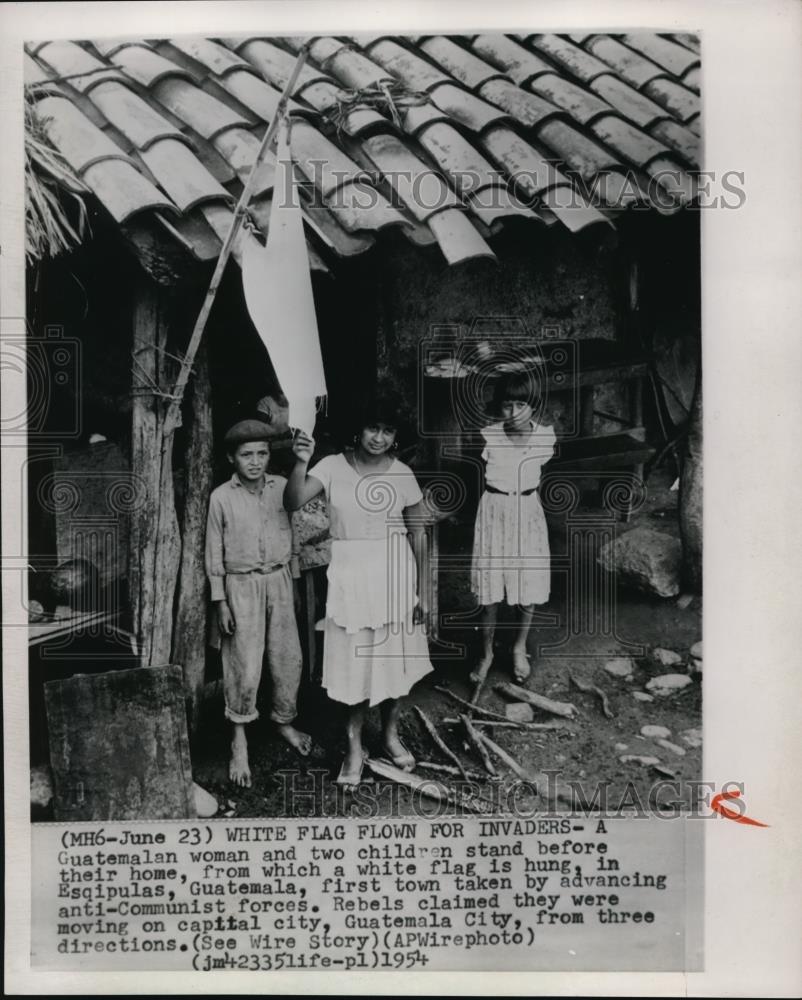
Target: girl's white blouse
514	465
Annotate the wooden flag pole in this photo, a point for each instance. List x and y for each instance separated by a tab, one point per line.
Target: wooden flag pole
173	417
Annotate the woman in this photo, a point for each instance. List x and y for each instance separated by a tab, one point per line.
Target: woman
375	646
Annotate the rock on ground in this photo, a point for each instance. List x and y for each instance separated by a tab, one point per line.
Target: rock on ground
696	650
621	666
666	657
642	696
667	684
645	559
519	711
656	732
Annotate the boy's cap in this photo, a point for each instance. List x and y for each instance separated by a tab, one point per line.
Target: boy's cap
246	430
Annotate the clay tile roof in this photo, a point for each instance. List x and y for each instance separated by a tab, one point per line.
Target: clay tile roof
444	139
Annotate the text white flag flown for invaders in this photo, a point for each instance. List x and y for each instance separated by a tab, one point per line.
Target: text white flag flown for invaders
278	294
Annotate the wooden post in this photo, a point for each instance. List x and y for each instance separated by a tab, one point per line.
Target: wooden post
155	545
690	495
189	634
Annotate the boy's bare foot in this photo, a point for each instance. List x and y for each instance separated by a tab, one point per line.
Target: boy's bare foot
521	667
239	771
482	667
302	742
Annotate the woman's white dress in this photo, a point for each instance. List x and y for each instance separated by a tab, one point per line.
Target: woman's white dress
371	651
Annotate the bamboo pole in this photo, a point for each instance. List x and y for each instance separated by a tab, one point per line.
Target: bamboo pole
173	418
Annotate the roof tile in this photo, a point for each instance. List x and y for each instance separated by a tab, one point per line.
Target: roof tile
680	101
69	59
580	153
630	102
458	238
688	40
216	58
415	72
274	63
568	56
203	113
521	64
147	67
355	70
628	141
35	76
462	64
108	46
681	139
632	66
123	190
525	107
578	102
182	175
359	206
323	163
418	187
528	168
693	78
79	141
134	117
675	58
467	108
238	147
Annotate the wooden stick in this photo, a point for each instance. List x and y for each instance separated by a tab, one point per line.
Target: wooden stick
478	708
173	418
563	708
592	689
492	723
475	737
541	782
453	771
427	786
430	729
511	762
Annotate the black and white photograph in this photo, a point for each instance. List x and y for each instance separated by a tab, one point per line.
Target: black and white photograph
361	526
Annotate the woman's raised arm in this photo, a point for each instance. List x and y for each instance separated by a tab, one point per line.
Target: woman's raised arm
301	487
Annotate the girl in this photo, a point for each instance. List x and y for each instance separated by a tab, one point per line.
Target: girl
375	649
511	544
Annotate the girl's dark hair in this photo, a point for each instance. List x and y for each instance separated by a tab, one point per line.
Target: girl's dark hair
516	385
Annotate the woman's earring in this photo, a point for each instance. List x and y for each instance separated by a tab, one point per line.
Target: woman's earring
395	446
356	440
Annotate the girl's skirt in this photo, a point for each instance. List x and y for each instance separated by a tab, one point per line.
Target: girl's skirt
510	550
371	649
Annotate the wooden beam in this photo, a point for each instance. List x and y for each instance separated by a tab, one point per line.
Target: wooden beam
189	634
154	539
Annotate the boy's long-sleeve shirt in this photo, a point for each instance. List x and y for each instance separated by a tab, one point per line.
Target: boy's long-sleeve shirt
246	532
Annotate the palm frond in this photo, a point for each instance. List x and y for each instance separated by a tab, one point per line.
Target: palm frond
56	219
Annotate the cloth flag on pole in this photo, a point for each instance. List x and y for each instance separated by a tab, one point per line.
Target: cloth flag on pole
278	293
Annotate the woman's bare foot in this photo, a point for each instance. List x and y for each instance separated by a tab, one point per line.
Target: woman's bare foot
302	742
239	771
521	667
481	670
351	771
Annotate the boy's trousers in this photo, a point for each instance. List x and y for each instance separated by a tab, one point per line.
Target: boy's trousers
264	616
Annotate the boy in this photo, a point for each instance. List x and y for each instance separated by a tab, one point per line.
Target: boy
248	553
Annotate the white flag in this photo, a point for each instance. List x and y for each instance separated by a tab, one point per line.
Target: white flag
278	293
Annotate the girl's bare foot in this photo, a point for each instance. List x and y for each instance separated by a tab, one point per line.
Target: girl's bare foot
398	753
351	771
302	742
482	668
521	667
239	771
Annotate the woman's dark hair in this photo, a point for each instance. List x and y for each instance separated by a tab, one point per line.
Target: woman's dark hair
516	385
384	408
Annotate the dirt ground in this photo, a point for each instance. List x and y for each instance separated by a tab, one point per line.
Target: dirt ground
586	752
